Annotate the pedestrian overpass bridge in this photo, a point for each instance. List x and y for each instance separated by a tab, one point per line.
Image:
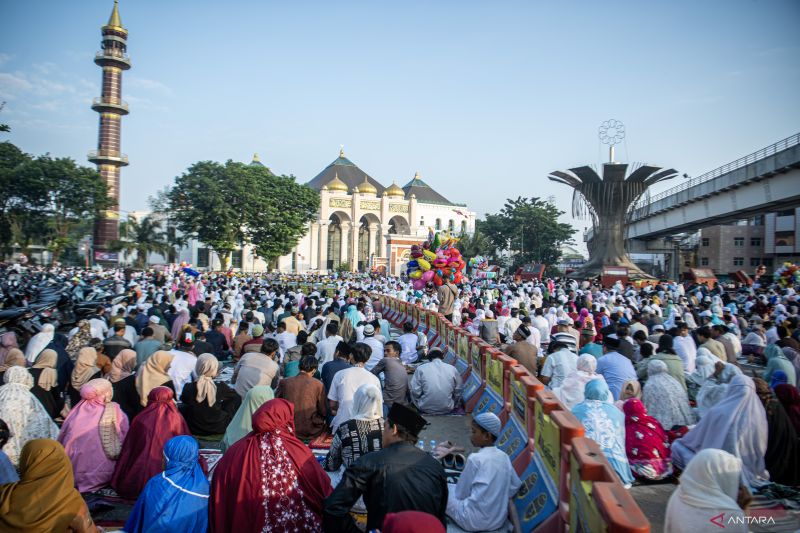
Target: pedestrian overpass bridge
764	181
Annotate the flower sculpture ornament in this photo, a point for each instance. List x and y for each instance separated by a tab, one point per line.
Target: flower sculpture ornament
609	201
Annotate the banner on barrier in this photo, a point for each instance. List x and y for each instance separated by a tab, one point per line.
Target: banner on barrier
548	441
451	338
471	385
583	513
415	314
512	439
494	374
519	401
462	345
489	402
461	366
537	497
475	358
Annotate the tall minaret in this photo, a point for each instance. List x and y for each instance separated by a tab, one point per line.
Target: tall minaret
111	107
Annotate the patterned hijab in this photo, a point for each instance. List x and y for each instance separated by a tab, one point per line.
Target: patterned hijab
81	339
646	442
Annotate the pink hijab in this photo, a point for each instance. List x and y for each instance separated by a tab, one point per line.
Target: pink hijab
181	320
92	435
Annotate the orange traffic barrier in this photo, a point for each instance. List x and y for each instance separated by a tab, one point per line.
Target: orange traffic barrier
598	501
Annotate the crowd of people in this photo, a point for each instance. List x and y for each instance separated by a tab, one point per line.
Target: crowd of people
669	381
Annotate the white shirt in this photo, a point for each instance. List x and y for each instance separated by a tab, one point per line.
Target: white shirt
285	341
686	350
559	365
98	327
408	345
479	502
377	352
435	387
541	323
344	386
182	369
326	349
511	326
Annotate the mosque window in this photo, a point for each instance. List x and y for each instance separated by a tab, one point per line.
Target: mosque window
202	257
438	224
463	226
236	258
451	225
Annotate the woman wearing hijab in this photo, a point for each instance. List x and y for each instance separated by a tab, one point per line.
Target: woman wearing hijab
782	447
208	407
81	339
154	374
646	443
8	340
704	369
141	455
570	393
26	417
778	378
181	320
269	480
123	381
754	343
44	499
411	522
45	382
92	435
176	499
605	424
790	399
666	400
738	425
777	361
85	370
359	435
710	485
39	341
13	357
8	474
630	389
715	387
242	424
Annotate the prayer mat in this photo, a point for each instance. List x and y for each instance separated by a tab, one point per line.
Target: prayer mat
105	495
211	456
778	505
323	442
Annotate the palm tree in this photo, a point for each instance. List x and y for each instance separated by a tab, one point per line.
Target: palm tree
143	237
472	245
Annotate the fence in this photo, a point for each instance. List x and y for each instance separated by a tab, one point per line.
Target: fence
566	480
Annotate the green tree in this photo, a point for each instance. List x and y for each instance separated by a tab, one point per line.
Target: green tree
230	205
143	237
475	244
46	200
159	204
529	227
284	211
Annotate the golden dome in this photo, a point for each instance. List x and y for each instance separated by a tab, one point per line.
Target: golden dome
394	190
336	184
367	187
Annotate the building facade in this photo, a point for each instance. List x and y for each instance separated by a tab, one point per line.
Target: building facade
361	225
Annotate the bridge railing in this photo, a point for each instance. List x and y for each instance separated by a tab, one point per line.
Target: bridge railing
567	483
758	155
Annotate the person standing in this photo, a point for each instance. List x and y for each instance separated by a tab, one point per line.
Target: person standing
447	294
399	477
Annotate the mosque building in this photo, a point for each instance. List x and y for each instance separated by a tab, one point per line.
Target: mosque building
361	225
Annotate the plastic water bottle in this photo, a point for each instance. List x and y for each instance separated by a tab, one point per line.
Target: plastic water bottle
421	445
433	447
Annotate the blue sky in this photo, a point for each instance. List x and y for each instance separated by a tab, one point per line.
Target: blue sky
482	98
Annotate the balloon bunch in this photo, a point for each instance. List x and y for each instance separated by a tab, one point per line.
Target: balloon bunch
436	261
787	275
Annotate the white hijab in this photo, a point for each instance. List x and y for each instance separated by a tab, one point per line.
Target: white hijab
39	342
665	398
367	403
571	391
